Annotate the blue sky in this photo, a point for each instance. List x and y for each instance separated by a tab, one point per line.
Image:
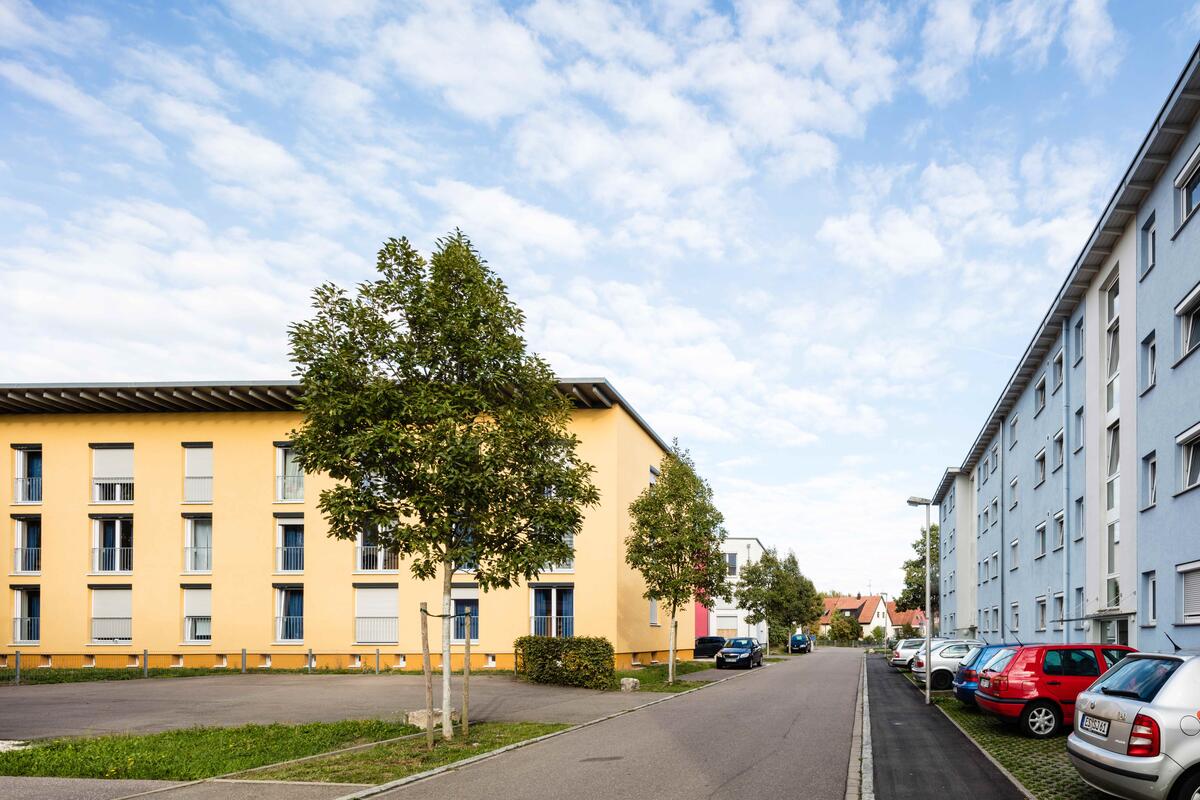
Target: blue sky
808	239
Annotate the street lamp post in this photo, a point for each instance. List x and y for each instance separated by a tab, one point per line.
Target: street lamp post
921	501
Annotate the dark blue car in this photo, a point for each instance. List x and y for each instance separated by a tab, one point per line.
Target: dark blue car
800	643
966	679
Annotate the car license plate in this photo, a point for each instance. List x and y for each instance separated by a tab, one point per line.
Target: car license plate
1096	726
985	682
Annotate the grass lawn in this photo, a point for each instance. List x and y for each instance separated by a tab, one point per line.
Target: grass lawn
1040	764
654	678
191	753
53	675
388	762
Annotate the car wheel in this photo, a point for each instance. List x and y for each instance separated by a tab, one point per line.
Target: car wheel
1040	720
941	680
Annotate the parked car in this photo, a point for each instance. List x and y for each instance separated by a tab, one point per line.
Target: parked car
902	654
1036	685
800	643
966	679
943	661
708	646
740	652
1136	729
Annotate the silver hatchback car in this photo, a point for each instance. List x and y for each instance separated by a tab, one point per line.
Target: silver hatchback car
1137	728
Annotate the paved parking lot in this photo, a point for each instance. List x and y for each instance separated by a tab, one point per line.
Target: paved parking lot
157	704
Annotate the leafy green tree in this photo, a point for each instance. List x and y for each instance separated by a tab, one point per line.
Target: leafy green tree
913	595
845	628
878	634
774	590
446	438
676	540
907	631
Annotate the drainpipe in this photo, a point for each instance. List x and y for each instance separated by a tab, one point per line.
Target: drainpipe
1002	546
1068	359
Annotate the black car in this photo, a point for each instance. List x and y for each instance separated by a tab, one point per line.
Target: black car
740	652
800	643
708	646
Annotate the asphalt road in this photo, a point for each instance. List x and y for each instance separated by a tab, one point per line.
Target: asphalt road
919	753
780	731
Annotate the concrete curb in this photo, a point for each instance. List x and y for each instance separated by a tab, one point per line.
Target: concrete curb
868	755
854	770
1020	787
420	776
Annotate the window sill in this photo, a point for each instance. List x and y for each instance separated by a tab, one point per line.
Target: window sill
1039	557
376	644
1038	413
195	644
109	574
1147	508
1152	624
1184	357
25	574
289	642
1039	483
109	644
288	572
195	502
655	624
1147	271
26	502
1187	489
188	572
1057	467
376	572
1078	448
277	501
1146	391
1057	386
1056	549
111	503
1183	223
475	641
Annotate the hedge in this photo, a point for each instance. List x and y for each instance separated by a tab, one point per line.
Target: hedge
585	661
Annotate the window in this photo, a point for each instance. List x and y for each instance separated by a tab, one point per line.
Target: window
1039	540
1039	395
1078	610
112	544
654	612
553	613
289	479
1056	370
376	609
1150	480
1078	518
1149	362
369	556
112	616
1058	611
1150	597
1113	469
1059	450
1189	577
1078	340
1188	186
995	565
569	564
731	565
1189	446
995	456
289	545
1077	431
197	544
1149	245
27	624
1014	554
112	473
995	510
197	614
1113	592
1039	468
1114	631
1012	431
653	474
27	484
1041	613
985	470
983	571
1059	531
27	550
197	472
1076	662
1112	294
1188	314
1012	493
289	614
1014	617
987	519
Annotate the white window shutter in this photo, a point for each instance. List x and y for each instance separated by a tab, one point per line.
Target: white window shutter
197	602
1191	595
112	462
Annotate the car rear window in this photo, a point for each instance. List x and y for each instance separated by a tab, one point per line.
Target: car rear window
1137	677
1077	663
999	660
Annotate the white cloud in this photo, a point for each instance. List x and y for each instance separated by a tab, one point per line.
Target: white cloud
23	26
1093	47
895	241
949	37
303	23
604	30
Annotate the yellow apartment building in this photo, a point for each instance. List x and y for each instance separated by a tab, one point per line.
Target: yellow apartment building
171	519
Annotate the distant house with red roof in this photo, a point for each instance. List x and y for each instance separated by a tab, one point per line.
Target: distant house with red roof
915	618
870	611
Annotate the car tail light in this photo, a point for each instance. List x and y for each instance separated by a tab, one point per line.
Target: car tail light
970	675
999	683
919	663
1143	738
895	654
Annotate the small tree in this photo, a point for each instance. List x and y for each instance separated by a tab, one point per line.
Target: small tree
676	540
844	628
878	634
913	596
907	631
448	441
775	591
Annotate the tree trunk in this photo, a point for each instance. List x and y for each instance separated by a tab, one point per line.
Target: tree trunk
447	623
428	676
671	647
466	687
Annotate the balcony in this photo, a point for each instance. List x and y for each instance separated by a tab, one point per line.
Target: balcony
376	630
27	560
27	490
112	630
289	488
112	559
289	629
459	633
552	626
197	489
112	490
289	559
197	559
197	629
27	630
375	559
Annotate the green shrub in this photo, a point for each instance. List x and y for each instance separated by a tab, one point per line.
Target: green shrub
585	661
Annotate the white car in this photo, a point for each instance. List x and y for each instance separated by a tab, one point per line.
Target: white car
905	649
944	662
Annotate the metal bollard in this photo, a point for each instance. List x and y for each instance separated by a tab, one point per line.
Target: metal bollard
145	663
376	660
310	661
18	668
243	661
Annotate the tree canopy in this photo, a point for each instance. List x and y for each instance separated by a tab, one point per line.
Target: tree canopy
774	590
913	595
844	628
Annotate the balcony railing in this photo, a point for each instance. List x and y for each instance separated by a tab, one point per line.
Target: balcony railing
27	629
375	630
289	487
197	559
197	629
112	559
289	629
112	630
289	559
552	626
376	559
112	490
197	489
460	628
27	490
27	559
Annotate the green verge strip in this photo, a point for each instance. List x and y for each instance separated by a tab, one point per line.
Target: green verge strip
388	762
654	678
55	675
192	753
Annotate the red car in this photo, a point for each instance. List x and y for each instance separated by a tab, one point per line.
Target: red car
1036	684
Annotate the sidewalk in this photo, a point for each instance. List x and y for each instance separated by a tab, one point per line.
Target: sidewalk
918	753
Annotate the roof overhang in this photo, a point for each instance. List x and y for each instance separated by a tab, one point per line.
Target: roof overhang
944	487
